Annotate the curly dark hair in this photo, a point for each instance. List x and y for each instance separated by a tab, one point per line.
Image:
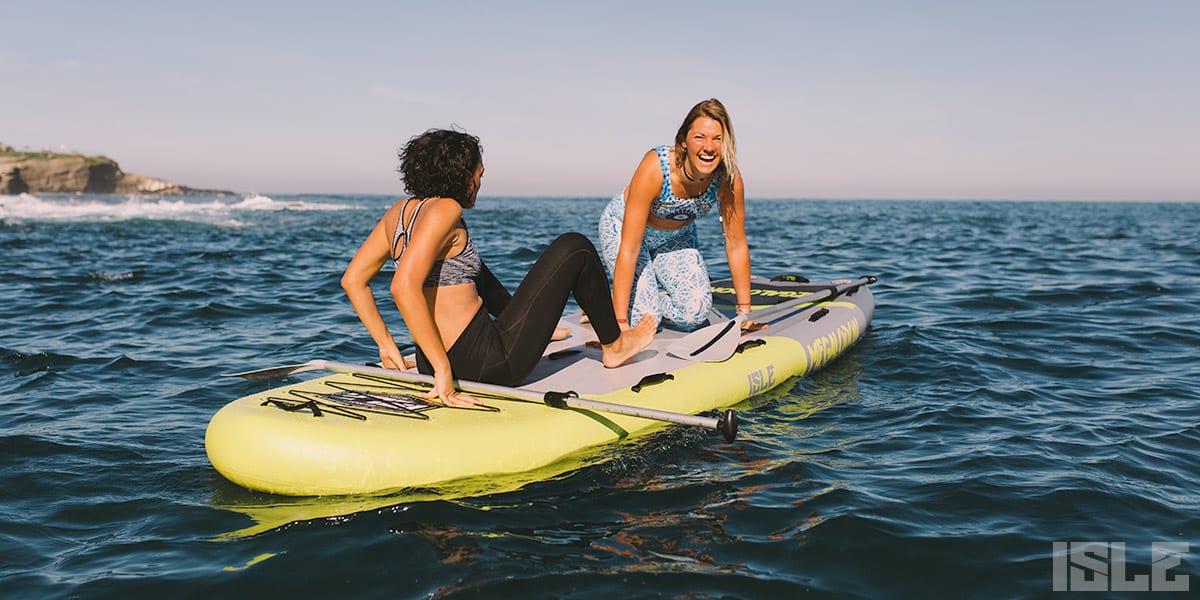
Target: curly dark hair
440	163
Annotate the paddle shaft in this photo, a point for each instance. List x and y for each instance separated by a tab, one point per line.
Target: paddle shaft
718	341
727	424
830	291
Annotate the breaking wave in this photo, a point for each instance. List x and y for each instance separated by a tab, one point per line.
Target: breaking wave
221	210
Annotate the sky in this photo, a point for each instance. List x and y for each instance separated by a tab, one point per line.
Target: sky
1006	99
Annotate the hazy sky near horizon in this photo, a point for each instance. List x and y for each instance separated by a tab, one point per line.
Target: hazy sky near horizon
1070	99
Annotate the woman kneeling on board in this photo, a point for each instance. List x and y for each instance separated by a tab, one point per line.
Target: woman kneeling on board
445	292
648	231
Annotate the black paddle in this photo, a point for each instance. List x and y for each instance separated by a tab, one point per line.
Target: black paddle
718	341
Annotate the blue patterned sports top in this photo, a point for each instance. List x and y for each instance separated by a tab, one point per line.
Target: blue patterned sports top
461	268
667	206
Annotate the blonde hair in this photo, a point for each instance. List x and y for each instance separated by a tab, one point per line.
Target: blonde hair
713	109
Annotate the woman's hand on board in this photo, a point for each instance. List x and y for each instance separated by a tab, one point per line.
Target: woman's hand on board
445	392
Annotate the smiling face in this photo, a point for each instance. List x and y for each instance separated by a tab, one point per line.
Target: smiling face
702	146
704	143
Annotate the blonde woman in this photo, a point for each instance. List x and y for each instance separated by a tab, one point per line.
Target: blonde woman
648	234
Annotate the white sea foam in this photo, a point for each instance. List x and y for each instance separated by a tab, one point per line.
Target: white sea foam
100	277
96	208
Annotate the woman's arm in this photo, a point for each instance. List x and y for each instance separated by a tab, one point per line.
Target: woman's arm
737	249
431	235
643	189
356	282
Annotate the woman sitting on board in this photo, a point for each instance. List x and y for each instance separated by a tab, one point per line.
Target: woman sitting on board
445	292
648	232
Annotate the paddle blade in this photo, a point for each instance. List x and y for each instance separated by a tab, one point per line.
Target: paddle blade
712	343
274	372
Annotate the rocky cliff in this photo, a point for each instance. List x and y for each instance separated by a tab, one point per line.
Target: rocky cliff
49	172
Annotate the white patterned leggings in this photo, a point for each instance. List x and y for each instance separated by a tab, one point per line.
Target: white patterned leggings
670	280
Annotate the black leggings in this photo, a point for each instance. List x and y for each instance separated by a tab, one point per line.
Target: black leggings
505	350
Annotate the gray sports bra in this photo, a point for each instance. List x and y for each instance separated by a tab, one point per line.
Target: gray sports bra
461	268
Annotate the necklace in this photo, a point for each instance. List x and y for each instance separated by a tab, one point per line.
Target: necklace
689	177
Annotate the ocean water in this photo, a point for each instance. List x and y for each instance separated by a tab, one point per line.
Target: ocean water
1030	379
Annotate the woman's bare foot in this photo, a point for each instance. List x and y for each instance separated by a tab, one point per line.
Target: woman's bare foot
631	342
560	333
749	326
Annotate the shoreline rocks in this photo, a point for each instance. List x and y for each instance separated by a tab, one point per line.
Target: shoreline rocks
55	173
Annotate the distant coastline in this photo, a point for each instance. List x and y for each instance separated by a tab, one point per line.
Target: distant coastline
25	172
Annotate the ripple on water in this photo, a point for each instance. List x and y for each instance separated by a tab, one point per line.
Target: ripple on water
1028	378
